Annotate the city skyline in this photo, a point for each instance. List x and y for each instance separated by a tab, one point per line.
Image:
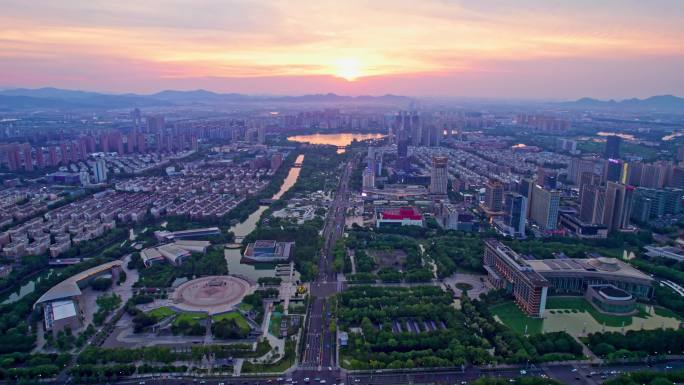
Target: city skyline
532	49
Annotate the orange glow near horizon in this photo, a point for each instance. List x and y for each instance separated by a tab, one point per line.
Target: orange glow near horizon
61	43
348	69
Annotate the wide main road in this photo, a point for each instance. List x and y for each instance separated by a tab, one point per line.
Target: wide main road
564	373
576	374
319	353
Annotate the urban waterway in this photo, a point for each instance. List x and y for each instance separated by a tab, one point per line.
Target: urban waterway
242	229
26	288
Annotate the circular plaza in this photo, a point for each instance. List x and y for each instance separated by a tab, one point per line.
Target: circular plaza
213	294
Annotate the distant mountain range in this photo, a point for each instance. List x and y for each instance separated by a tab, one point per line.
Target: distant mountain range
655	103
55	98
61	99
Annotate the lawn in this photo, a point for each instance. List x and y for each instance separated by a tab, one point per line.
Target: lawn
510	315
191	318
246	307
665	312
161	312
274	326
577	316
580	304
233	315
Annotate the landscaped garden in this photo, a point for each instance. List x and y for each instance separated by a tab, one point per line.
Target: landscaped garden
190	324
274	326
419	327
509	314
565	305
161	312
231	325
578	317
278	365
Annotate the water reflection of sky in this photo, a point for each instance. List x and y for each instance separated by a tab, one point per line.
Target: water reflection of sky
339	140
672	136
620	134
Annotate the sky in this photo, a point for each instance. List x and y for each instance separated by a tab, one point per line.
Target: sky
530	49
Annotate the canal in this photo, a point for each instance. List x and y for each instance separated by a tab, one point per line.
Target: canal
242	229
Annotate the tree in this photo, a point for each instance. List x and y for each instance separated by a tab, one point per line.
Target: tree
603	349
228	329
122	277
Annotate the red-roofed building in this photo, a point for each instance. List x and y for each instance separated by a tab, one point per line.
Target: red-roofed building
402	216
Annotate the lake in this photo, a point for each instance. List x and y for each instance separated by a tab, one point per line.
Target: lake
340	140
621	135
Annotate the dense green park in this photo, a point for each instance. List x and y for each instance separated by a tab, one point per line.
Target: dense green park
420	327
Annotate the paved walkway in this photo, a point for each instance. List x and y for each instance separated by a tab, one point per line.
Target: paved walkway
237	366
433	267
287	289
474	280
352	258
125	290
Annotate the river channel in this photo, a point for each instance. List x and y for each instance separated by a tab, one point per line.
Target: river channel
242	229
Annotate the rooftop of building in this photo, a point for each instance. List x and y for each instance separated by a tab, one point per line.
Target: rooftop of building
269	248
172	252
192	243
150	253
63	309
406	212
69	287
604	265
265	244
613	293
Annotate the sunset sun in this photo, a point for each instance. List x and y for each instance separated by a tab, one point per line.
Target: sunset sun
348	69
